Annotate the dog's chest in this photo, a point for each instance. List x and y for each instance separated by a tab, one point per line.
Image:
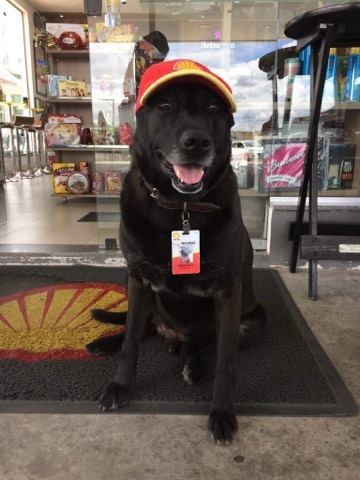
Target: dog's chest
207	283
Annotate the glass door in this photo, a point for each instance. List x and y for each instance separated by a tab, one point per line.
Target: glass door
228	37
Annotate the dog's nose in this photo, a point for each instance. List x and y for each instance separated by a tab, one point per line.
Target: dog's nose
195	140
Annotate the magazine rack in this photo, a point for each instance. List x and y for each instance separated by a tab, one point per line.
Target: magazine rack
321	29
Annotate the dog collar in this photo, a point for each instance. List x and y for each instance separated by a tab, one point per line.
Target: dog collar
203	207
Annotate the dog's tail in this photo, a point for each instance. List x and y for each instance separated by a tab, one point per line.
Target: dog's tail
115	318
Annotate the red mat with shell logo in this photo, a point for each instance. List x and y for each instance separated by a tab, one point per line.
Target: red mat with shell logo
54	322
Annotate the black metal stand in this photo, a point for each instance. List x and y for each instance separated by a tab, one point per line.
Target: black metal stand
273	64
321	29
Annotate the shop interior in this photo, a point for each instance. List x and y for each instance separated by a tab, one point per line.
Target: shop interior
65	146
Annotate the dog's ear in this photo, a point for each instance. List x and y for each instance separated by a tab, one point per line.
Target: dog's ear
231	120
139	115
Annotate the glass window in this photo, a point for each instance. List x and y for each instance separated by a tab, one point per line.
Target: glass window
13	75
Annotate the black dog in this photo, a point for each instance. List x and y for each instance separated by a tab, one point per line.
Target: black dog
182	154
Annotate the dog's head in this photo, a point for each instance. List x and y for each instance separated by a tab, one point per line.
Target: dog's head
182	139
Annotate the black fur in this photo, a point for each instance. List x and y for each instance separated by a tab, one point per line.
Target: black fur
218	303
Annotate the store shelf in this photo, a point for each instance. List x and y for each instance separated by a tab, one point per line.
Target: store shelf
249	192
77	100
91	148
56	53
84	195
346	106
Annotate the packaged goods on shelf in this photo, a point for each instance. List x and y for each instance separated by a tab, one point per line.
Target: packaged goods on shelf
68	36
333	129
341	73
61	173
52	158
352	89
282	165
341	165
52	84
97	182
71	88
112	182
62	129
78	183
305	61
117	34
84	167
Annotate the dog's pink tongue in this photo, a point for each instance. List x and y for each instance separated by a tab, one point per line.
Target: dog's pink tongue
189	174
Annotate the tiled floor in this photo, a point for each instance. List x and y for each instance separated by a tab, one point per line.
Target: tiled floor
34	216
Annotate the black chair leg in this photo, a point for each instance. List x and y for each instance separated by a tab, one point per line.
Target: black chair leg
323	47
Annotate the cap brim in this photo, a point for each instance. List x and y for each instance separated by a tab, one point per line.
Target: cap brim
212	81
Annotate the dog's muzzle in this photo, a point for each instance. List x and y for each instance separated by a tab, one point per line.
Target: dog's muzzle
187	167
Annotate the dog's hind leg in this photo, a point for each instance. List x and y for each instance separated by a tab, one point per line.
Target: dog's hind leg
252	326
193	368
253	318
172	345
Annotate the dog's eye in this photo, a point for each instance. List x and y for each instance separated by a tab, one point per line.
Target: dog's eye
213	107
166	106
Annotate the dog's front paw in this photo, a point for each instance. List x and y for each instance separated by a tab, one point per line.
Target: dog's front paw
115	396
222	426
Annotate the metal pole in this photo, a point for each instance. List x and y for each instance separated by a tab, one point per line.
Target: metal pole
325	42
14	177
313	181
28	173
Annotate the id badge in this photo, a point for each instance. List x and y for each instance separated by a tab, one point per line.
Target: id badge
185	252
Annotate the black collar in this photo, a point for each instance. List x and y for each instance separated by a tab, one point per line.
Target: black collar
163	202
199	206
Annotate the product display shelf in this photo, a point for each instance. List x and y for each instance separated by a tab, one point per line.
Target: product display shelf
76	63
66	196
78	100
350	105
91	148
125	164
57	53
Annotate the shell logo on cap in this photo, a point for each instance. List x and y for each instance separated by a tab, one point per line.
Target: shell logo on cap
186	65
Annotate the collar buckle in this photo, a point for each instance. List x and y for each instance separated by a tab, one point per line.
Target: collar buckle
154	193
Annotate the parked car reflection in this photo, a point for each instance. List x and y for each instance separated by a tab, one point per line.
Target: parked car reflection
246	154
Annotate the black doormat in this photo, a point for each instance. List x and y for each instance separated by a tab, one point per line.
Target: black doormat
45	323
100	217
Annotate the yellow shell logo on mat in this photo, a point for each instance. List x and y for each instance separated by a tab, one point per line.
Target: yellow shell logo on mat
55	322
186	65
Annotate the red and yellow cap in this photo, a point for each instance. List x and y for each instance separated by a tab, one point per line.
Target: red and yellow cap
175	71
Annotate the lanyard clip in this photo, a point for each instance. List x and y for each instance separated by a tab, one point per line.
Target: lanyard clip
186	219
